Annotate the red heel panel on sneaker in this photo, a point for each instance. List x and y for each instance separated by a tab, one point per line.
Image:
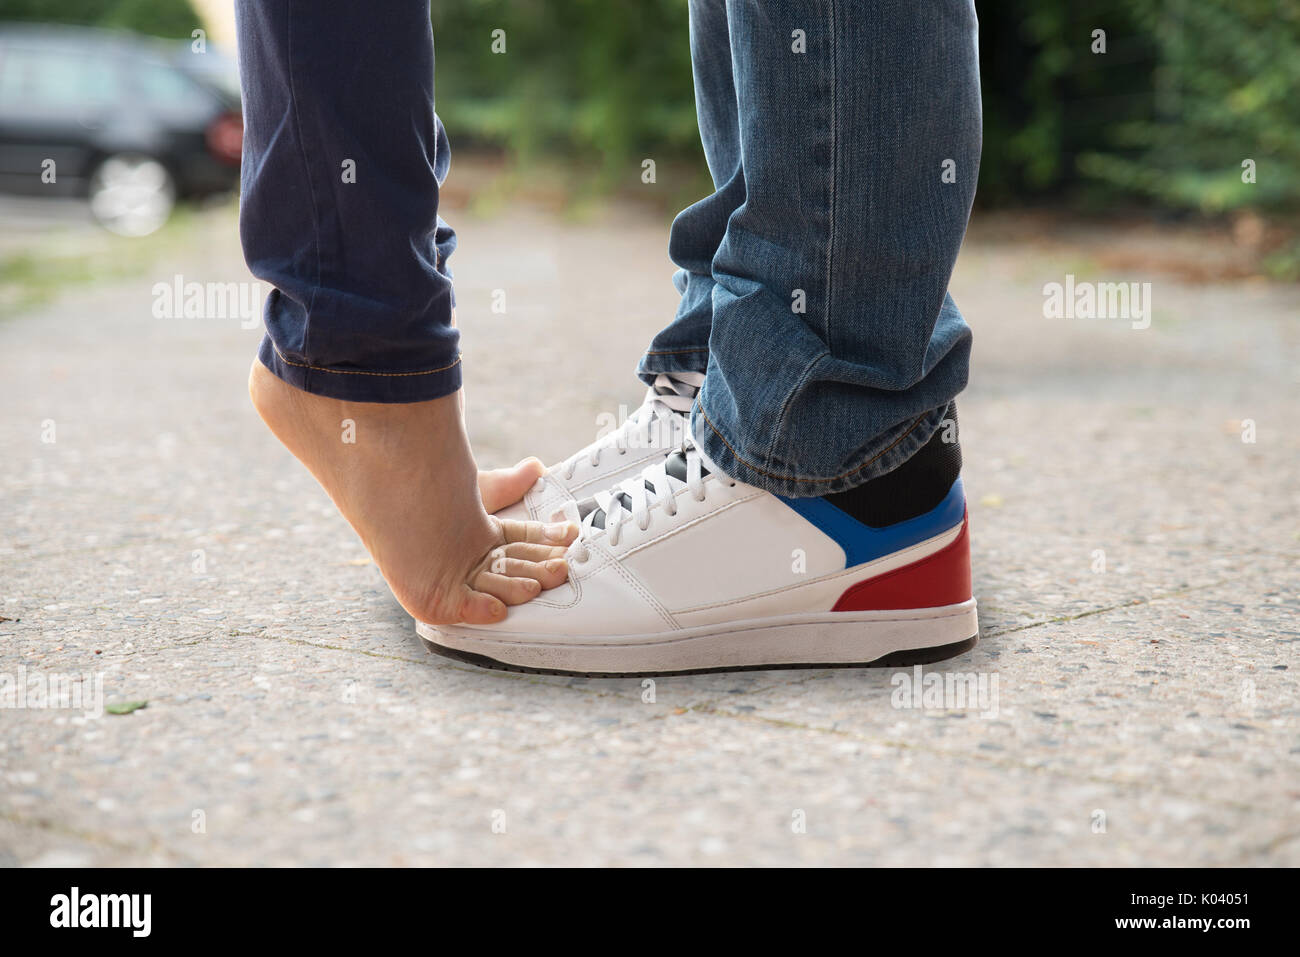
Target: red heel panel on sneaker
940	579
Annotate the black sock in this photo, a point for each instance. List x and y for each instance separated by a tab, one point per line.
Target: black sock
912	489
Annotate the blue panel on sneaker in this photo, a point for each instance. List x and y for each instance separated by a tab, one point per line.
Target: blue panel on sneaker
862	543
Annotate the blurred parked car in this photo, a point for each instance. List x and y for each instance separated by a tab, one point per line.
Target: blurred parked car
132	123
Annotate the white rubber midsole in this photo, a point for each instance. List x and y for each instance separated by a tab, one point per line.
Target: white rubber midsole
835	637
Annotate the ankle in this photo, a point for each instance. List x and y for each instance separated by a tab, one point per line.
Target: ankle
914	488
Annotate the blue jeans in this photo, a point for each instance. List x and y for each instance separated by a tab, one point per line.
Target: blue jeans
843	139
814	279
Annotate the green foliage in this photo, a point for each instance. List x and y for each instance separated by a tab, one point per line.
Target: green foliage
1226	85
596	82
164	18
1186	90
1047	96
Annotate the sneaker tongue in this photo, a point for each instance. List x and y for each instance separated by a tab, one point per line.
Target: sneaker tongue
678	383
589	505
677	390
592	507
676	466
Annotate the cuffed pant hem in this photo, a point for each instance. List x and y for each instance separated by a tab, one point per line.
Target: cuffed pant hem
355	385
882	455
672	360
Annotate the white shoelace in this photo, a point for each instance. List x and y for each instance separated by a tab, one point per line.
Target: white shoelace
666	406
634	499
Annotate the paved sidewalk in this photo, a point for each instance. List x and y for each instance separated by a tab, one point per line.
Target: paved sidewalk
1136	565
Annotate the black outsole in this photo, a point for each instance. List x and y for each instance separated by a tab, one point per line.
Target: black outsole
895	659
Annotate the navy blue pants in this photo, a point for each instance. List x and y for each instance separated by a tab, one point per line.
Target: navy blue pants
343	160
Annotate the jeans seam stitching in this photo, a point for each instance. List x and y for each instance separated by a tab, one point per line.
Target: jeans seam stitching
791	478
311	191
307	365
789	401
830	235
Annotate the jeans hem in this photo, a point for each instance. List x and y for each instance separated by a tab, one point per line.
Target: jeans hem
657	362
881	455
359	385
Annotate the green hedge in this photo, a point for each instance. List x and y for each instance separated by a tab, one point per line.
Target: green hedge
1186	90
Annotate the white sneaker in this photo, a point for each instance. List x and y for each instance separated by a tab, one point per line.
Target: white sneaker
659	425
681	569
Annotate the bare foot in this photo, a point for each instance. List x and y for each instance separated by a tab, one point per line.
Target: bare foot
405	479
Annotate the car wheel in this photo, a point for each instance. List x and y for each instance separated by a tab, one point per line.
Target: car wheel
131	194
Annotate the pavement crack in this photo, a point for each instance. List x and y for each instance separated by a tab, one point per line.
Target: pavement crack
1131	603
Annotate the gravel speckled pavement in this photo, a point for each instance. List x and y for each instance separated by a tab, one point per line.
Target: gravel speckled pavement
1135	561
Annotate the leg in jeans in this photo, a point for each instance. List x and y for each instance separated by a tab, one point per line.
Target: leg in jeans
683	346
359	374
339	205
834	347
